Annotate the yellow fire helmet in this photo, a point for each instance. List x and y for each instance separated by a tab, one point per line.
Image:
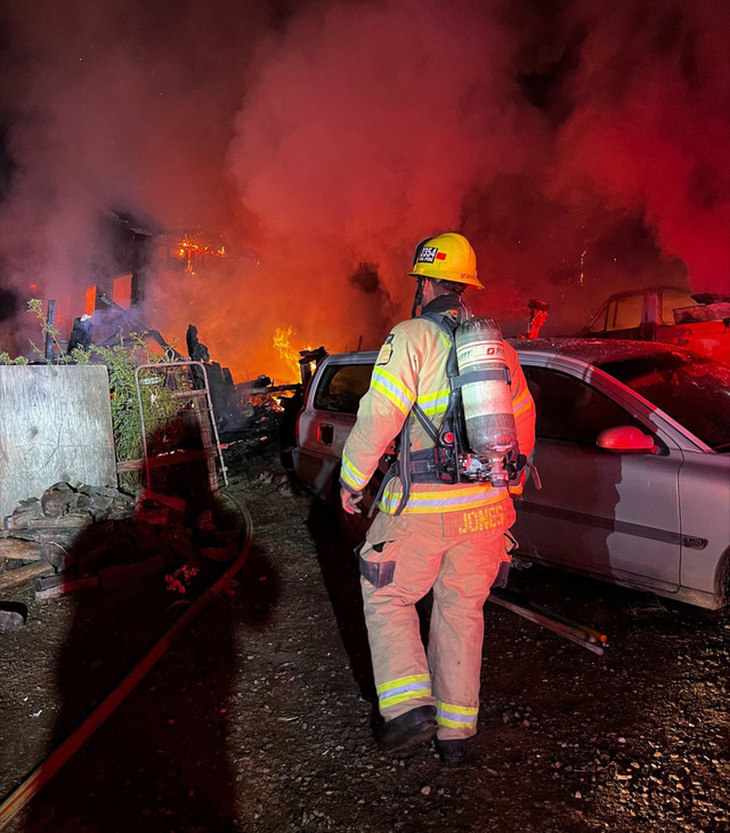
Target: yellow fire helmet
446	257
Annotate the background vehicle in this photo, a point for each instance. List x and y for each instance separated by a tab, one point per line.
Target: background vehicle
633	450
698	322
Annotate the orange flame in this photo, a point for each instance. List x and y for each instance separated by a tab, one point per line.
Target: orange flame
288	354
193	249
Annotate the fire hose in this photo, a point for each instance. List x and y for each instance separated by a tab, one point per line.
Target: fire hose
43	773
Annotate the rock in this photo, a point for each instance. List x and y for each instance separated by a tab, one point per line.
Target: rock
25	512
57	500
57	546
72	520
11	619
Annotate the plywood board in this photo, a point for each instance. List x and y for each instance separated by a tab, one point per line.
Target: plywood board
55	424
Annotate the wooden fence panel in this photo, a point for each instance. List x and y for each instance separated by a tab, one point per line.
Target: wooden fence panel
55	424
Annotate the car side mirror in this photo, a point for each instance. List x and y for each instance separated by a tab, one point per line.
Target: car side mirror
626	439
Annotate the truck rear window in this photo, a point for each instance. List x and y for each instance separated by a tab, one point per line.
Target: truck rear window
342	387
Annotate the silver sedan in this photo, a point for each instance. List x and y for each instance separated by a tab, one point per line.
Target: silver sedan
634	454
633	449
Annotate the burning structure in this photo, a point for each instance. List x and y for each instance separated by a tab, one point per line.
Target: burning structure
566	148
135	257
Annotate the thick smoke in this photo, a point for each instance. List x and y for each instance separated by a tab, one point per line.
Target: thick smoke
650	129
114	104
581	146
369	124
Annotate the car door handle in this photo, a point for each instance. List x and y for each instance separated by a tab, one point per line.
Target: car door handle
325	433
694	543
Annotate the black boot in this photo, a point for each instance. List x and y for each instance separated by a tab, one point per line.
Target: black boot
452	752
409	729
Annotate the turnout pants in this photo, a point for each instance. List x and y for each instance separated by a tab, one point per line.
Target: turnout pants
403	557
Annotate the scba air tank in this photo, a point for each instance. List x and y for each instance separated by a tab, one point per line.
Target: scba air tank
487	398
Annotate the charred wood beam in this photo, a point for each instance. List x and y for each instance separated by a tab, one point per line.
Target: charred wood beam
171	459
137	326
51	316
273	389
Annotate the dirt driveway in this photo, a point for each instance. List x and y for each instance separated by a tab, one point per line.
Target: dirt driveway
258	719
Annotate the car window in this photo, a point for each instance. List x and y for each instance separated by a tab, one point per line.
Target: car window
342	387
599	323
625	313
569	409
693	390
674	299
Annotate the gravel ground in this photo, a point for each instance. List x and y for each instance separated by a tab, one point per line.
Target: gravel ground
258	718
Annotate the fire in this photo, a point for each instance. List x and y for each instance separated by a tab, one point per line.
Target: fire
288	355
194	248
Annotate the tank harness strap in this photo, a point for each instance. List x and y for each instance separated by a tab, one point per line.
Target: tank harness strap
426	423
423	466
405	464
389	475
420	466
502	375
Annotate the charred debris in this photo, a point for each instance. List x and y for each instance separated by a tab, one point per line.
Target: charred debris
133	252
248	412
150	528
97	538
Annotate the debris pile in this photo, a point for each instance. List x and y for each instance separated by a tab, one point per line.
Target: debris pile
90	537
270	414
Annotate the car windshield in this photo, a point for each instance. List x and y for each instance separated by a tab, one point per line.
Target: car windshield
692	390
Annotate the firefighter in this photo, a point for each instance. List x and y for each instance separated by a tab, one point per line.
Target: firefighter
449	538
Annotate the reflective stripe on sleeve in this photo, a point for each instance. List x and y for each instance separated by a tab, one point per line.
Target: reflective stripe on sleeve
352	475
434	403
522	403
392	389
405	688
456	717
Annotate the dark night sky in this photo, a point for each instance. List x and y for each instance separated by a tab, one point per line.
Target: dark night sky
582	146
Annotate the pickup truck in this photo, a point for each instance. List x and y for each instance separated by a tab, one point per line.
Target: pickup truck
331	398
699	322
633	454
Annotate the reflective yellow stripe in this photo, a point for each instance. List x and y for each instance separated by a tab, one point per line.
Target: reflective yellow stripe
353	484
448	500
454	724
448	707
434	403
402	681
384	702
522	403
392	389
524	409
351	474
456	717
404	688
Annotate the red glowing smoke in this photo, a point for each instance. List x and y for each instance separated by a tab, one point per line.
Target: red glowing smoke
582	147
